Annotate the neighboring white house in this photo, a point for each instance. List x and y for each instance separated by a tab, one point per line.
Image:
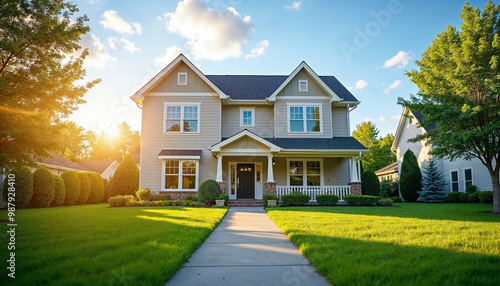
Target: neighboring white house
458	173
106	168
389	172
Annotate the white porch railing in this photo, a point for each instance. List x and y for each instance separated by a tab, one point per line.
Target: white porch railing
313	191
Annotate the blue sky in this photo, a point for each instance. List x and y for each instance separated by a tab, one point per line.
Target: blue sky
367	45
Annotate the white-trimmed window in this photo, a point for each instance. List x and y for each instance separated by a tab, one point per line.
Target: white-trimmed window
247	117
303	85
468	177
182	78
180	175
454	180
182	118
305	118
305	172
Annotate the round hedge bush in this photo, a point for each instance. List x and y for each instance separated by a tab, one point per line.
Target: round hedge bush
84	188
370	183
23	186
59	192
43	188
71	186
125	179
208	191
96	188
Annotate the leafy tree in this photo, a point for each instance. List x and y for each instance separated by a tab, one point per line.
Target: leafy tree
75	143
43	188
84	188
23	186
96	188
125	142
126	178
366	133
37	75
433	183
459	88
59	192
71	186
380	154
370	183
410	177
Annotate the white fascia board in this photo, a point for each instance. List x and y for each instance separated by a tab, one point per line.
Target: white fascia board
399	130
110	165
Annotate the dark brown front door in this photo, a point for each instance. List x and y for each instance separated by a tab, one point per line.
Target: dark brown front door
246	181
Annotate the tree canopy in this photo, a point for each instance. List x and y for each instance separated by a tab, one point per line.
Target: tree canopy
459	87
380	154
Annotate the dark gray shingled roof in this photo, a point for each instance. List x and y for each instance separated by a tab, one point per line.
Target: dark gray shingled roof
419	116
335	143
259	87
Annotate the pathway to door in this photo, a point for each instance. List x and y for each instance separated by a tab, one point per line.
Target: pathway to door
247	248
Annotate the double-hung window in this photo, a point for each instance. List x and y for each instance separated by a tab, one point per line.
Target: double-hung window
304	173
180	174
468	177
304	118
454	181
247	117
183	118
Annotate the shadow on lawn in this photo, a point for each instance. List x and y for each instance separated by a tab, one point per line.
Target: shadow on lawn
354	262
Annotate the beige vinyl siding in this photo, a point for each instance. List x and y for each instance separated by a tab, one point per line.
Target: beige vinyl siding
154	140
292	88
194	83
264	118
339	122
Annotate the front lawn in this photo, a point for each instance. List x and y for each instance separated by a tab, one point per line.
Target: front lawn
412	244
96	245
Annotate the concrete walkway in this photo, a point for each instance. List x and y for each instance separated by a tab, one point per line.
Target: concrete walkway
247	248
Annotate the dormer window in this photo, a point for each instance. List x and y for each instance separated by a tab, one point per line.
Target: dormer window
303	85
182	78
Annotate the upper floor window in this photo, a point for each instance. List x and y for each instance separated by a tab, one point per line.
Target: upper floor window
468	177
182	78
303	85
454	181
247	117
183	118
304	118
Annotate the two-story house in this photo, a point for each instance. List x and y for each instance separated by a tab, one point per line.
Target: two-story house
253	134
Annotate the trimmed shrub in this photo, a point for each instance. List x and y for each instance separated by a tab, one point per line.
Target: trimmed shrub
96	188
84	188
208	191
196	204
295	199
160	197
177	203
134	203
120	201
224	197
191	197
268	197
360	200
143	194
385	202
370	183
433	184
410	177
43	188
327	200
126	178
464	197
23	186
486	197
59	192
105	197
389	188
470	189
71	186
395	199
454	197
473	197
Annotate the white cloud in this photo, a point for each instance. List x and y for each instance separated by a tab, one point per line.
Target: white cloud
210	34
98	57
295	5
159	18
170	54
393	118
129	46
116	23
401	59
360	84
392	86
259	50
112	42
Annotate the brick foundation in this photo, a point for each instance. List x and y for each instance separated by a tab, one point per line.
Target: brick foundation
355	188
222	186
270	188
179	195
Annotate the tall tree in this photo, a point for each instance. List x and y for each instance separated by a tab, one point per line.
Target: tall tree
459	90
366	133
125	141
74	142
37	75
380	154
410	177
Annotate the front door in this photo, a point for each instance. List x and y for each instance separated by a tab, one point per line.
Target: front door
246	181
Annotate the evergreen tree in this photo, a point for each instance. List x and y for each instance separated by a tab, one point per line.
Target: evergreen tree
433	184
126	178
371	184
409	181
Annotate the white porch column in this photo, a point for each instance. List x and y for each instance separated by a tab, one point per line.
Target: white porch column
354	172
219	168
270	173
359	167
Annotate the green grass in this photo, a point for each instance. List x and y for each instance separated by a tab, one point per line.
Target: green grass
412	244
96	245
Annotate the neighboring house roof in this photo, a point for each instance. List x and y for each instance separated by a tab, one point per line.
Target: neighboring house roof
391	168
98	166
420	117
137	158
57	161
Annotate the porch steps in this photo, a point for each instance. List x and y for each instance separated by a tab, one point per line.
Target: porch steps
246	203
